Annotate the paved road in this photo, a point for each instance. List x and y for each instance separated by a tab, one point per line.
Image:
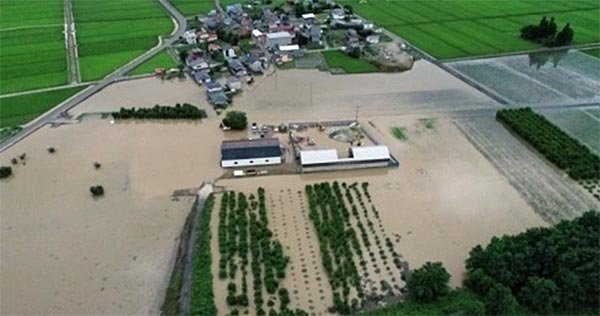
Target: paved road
74	76
115	76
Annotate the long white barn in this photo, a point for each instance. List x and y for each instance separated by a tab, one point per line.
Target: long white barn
252	152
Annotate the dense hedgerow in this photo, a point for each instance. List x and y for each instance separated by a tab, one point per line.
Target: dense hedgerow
557	146
202	296
179	111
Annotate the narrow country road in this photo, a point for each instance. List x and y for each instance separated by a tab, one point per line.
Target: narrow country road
181	26
74	75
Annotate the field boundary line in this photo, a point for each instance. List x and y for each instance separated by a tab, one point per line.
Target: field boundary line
16	28
16	94
523	52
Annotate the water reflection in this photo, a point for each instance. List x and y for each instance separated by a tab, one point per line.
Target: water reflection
539	59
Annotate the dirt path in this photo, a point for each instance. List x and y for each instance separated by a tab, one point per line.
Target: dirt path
72	56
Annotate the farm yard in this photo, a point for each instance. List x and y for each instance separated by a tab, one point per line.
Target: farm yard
111	33
21	109
538	78
463	28
33	46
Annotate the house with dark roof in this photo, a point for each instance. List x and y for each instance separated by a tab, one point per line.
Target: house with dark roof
250	152
236	68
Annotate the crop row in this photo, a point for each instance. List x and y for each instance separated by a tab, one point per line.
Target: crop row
557	146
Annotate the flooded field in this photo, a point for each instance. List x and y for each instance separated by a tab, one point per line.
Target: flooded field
541	78
581	123
548	190
437	203
64	252
312	95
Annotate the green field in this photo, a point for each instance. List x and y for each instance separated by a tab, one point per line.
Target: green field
22	109
194	7
594	52
461	28
33	51
339	60
162	60
111	33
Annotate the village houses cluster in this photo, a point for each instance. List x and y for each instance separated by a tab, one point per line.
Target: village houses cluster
246	40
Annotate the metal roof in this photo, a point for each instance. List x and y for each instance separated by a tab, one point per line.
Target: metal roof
359	154
309	157
250	148
370	152
281	34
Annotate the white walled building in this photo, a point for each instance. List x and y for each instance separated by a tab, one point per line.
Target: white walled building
253	152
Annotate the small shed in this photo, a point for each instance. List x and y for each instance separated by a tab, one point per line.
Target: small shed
234	83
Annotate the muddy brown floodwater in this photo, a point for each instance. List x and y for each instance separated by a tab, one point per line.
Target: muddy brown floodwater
64	252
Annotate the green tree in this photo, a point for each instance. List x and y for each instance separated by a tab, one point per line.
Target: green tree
539	294
236	120
429	282
565	36
500	301
5	172
478	282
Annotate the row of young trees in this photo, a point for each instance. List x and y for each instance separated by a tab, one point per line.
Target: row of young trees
557	146
546	33
330	217
179	111
202	296
243	226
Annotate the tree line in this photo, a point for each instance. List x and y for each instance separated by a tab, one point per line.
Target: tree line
202	298
546	270
557	146
547	34
179	111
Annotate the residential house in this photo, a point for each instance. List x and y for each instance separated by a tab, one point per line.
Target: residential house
373	39
213	23
337	14
202	35
309	18
213	86
253	63
258	36
202	76
352	37
228	52
315	33
236	67
234	83
217	98
190	37
196	63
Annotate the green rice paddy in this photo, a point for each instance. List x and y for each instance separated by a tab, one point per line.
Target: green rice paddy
33	51
594	52
462	28
162	60
21	109
111	33
339	60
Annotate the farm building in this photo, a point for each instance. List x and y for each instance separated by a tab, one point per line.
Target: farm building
359	157
252	152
